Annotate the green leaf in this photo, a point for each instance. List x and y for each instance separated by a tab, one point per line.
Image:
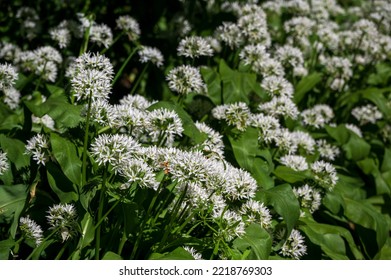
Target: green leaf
87	234
213	82
5	248
65	153
356	148
189	128
112	256
330	238
371	226
256	238
385	252
12	203
305	85
289	175
284	203
15	151
340	133
376	96
60	184
54	90
236	85
178	254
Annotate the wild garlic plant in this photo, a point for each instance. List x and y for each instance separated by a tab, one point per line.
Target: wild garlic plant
220	130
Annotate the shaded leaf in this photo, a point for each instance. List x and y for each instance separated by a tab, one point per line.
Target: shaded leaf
111	256
305	85
256	238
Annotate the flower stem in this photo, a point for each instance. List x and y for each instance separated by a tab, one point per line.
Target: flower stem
85	145
100	213
139	78
119	73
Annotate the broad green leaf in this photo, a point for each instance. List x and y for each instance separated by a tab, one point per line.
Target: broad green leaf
376	96
87	235
178	254
386	164
189	128
289	175
371	226
257	239
65	153
5	248
60	184
356	148
245	147
12	202
213	82
330	238
236	85
63	113
54	90
284	203
15	151
340	133
351	187
112	256
385	252
334	202
305	85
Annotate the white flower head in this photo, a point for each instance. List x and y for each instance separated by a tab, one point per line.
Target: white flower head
309	197
101	34
185	79
194	46
297	163
151	54
367	114
324	174
8	76
31	230
4	165
63	218
130	26
294	246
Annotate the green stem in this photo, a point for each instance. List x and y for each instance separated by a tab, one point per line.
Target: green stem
85	145
122	243
139	78
100	213
106	214
84	45
139	237
42	243
119	73
173	217
59	255
114	41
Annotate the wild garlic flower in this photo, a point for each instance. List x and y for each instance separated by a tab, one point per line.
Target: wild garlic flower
269	67
235	114
256	212
254	28
326	150
91	84
8	76
230	34
291	57
230	225
239	184
318	116
309	198
299	26
182	26
268	127
102	112
367	114
213	146
45	120
295	162
185	79
31	230
93	61
163	126
130	26
354	129
4	165
193	252
29	21
304	141
194	46
113	149
38	147
277	86
150	54
63	219
10	52
324	174
61	34
253	55
280	106
101	34
297	7
137	171
294	246
11	97
136	101
338	67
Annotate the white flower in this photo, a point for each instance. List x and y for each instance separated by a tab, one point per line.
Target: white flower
213	146
8	76
354	129
31	230
297	163
130	26
63	218
11	97
253	54
92	84
4	165
235	114
194	46
151	54
38	147
304	140
45	120
367	114
137	171
136	101
268	127
193	253
101	34
185	79
61	35
309	198
325	174
163	125
230	34
280	106
327	150
277	86
294	246
256	212
318	116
